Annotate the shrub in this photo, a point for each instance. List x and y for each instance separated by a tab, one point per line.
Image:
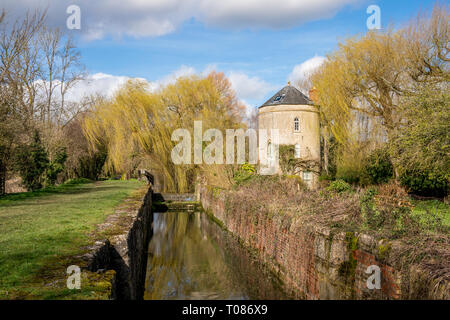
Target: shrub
325	177
387	209
56	166
31	163
420	147
350	163
287	159
377	168
290	165
425	183
348	174
244	173
77	181
91	166
296	181
339	186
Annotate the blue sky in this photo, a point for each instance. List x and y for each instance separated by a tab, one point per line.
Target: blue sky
270	54
257	44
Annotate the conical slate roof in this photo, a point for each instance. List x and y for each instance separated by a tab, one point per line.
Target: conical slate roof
287	95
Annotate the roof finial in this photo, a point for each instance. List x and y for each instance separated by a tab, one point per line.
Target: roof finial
289	83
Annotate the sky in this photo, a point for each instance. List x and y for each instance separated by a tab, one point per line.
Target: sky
259	44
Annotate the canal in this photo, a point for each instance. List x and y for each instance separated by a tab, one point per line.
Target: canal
191	257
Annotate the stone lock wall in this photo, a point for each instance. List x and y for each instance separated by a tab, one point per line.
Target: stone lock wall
126	252
314	263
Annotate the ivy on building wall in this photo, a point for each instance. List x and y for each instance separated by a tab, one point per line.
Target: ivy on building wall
290	165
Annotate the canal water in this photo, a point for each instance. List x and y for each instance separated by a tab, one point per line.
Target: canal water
192	257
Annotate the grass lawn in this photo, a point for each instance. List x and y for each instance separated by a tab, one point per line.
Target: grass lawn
41	231
432	212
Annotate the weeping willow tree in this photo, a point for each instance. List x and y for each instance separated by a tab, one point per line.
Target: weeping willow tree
136	125
373	75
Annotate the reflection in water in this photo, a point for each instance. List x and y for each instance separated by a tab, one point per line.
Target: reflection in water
191	257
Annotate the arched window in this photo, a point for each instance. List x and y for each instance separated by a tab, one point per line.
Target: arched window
297	151
296	125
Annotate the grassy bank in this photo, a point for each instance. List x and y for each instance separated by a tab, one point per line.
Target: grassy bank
433	211
41	231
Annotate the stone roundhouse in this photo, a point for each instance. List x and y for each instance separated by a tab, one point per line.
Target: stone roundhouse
297	119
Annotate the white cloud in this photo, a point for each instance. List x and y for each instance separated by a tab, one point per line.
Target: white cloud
97	83
183	71
268	13
107	84
250	110
248	88
140	18
303	70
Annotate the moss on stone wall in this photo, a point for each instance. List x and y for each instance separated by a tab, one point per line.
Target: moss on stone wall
383	250
347	269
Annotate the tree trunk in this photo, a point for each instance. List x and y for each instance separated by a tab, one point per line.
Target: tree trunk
391	157
325	150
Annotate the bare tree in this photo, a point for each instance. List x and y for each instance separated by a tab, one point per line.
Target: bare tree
49	41
61	71
18	69
71	69
428	49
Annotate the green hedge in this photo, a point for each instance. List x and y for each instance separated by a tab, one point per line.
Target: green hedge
425	183
377	168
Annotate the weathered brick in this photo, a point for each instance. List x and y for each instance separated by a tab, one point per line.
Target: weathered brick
309	259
